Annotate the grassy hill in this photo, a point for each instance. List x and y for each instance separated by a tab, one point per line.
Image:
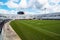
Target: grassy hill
37	29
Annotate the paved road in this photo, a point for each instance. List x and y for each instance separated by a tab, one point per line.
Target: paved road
1	26
0	37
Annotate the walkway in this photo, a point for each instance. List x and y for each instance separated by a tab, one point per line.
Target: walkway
9	33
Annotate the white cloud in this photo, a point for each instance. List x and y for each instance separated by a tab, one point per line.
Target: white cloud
23	4
3	11
1	3
11	4
56	8
15	0
13	12
31	4
55	1
42	1
52	8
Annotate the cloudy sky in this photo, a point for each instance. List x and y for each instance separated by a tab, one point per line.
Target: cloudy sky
29	6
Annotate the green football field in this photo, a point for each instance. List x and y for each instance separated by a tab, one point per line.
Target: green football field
37	29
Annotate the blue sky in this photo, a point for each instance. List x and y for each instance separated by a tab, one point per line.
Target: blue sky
29	6
4	1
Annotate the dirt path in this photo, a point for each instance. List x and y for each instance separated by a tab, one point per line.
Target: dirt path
8	33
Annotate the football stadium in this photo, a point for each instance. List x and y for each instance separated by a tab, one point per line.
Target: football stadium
29	19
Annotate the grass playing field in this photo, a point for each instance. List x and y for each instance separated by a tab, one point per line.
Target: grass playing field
37	29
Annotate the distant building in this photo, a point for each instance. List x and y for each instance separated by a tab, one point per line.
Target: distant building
22	15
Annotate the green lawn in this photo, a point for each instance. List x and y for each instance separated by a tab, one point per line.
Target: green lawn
37	29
